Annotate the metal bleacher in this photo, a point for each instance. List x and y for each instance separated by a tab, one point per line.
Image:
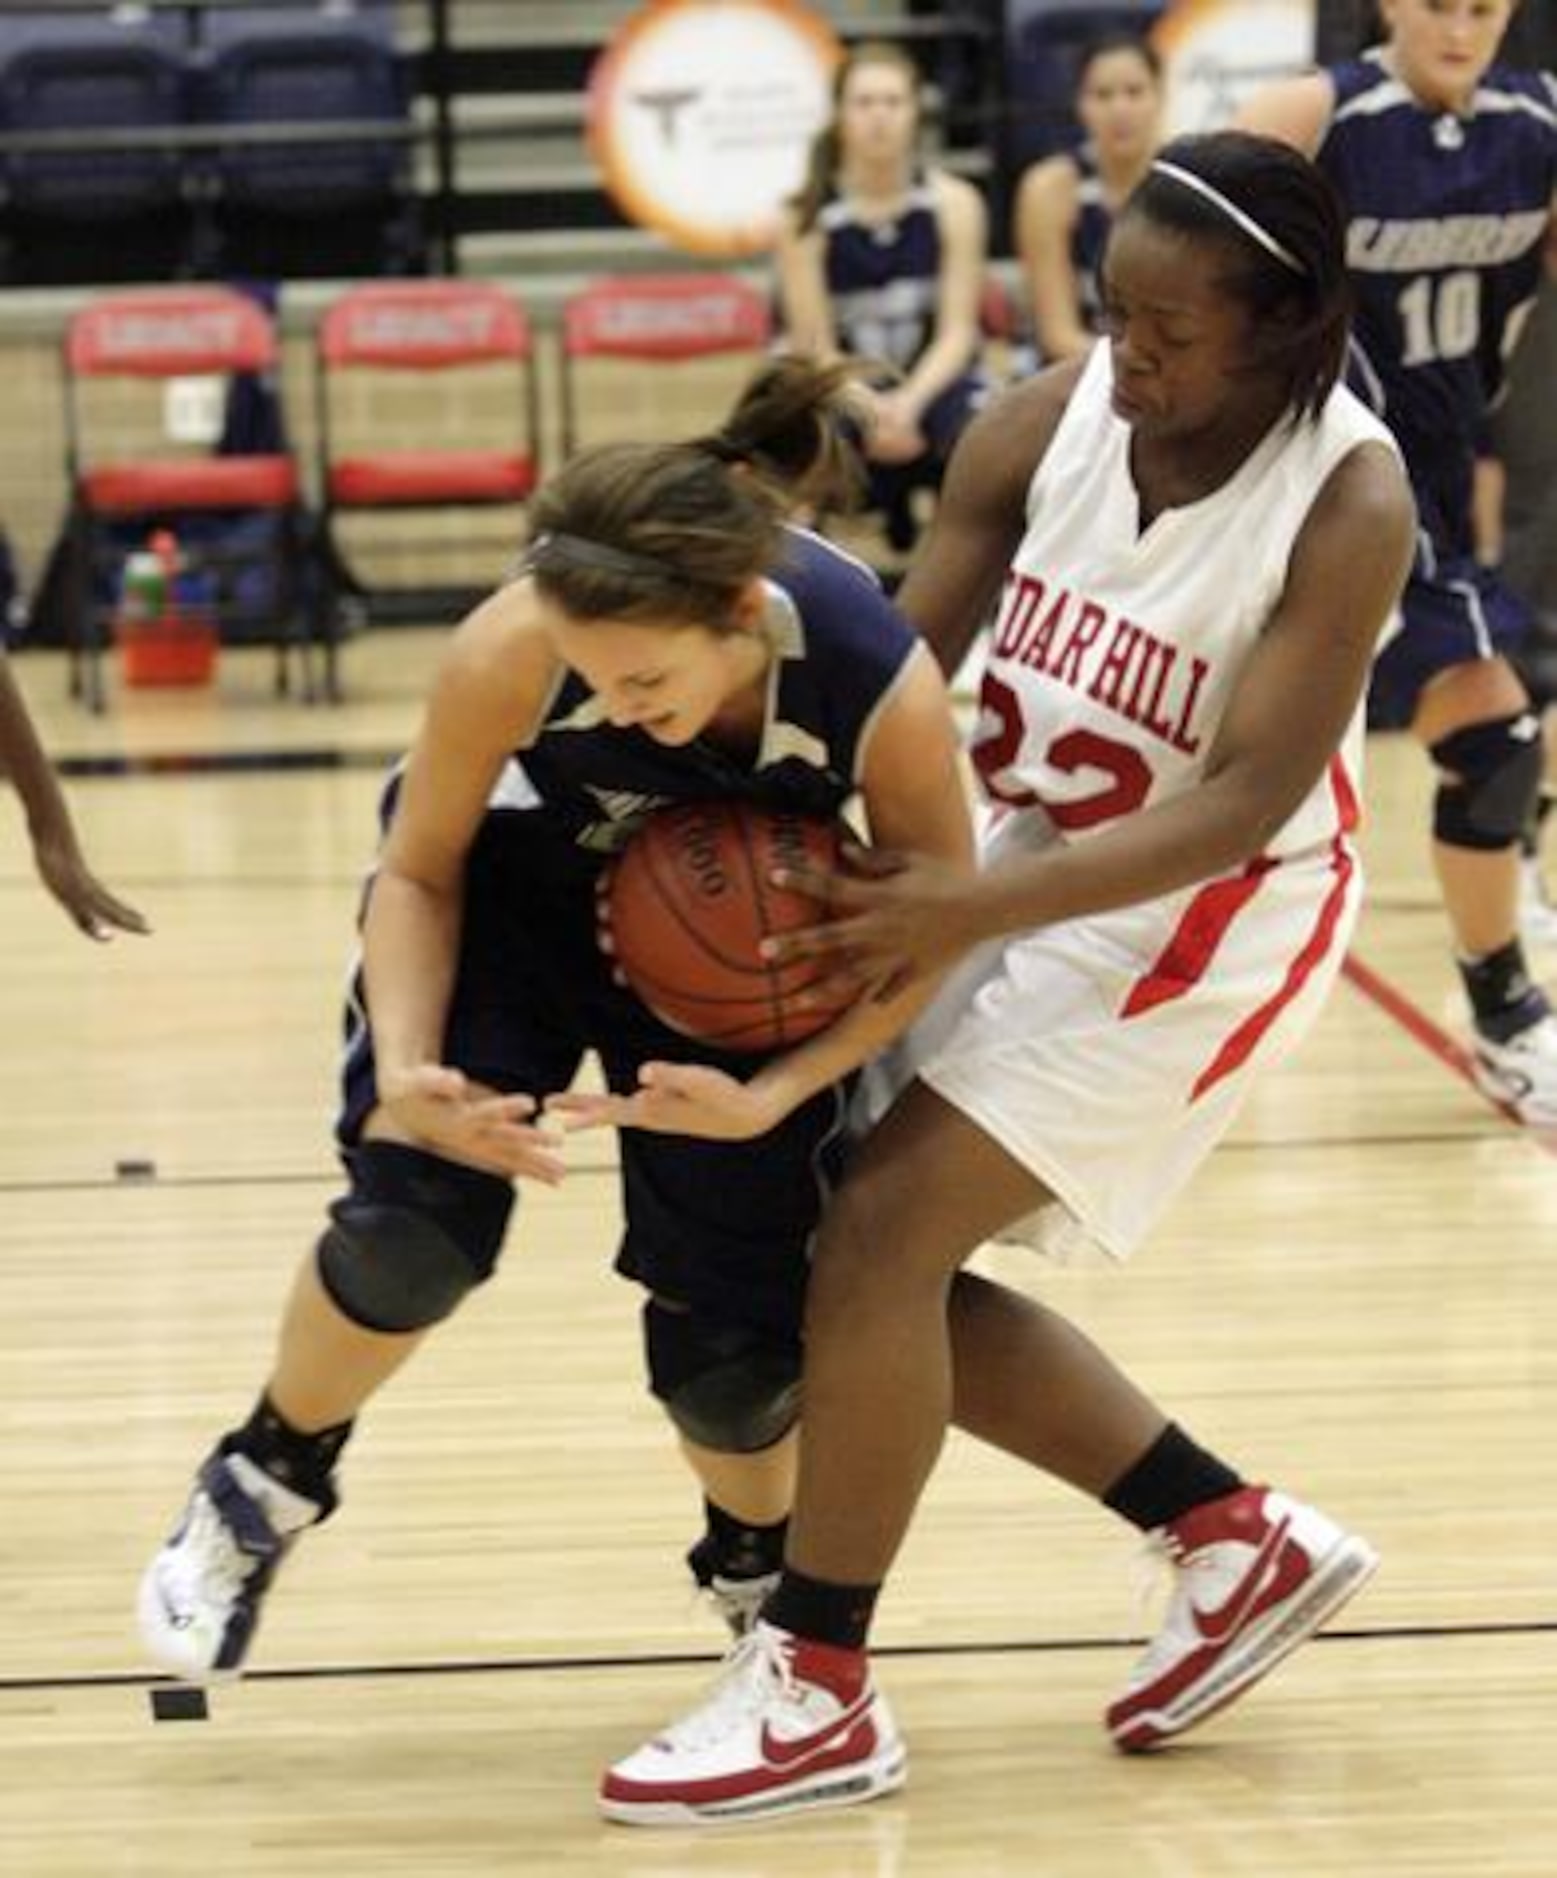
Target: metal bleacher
493	120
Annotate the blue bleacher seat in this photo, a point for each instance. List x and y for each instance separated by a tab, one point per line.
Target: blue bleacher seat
60	203
92	85
300	207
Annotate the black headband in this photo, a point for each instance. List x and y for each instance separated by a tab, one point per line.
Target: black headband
594	557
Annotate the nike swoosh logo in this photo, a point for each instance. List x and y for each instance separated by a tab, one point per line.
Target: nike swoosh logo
777	1753
1219	1624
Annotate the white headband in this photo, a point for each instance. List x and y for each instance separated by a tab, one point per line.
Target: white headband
1232	211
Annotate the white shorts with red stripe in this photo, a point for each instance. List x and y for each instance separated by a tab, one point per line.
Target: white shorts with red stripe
1110	1054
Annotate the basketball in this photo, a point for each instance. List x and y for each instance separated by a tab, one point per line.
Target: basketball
690	900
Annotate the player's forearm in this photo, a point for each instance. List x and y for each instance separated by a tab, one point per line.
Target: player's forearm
24	760
410	945
940	365
1222	824
824	1060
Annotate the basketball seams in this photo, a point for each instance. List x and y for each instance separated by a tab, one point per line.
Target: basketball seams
692	884
669	881
757	888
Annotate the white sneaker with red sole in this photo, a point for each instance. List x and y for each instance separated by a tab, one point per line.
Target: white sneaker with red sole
790	1726
1255	1575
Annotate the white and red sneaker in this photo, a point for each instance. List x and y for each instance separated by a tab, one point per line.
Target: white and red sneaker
1255	1575
790	1726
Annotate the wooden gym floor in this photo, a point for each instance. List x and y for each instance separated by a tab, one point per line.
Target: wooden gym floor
1358	1299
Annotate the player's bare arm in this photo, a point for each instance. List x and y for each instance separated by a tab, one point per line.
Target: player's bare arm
808	319
916	797
485	702
979	518
1045	218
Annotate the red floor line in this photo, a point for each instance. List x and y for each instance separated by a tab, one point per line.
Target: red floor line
1433	1038
1416	1023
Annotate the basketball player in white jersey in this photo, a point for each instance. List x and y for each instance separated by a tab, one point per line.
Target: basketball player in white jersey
1201	536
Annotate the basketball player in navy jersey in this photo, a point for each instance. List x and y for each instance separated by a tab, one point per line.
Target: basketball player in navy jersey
1066	204
56	850
667	639
1446	164
882	258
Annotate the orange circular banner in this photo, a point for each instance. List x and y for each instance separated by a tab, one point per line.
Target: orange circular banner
701	113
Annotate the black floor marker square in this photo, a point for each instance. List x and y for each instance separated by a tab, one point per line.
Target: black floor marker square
179	1705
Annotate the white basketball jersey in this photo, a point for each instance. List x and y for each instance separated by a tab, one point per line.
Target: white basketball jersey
1116	649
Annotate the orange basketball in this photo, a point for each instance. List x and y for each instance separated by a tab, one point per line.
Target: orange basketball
690	900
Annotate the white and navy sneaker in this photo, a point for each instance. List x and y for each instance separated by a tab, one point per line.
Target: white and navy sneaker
790	1726
1521	1072
200	1597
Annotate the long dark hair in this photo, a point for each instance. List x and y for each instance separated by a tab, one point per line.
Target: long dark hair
1303	301
826	152
643	531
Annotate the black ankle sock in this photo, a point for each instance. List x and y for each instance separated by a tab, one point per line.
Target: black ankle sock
735	1548
826	1613
1502	997
300	1461
1173	1475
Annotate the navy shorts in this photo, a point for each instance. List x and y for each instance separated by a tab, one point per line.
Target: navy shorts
1454	611
723	1227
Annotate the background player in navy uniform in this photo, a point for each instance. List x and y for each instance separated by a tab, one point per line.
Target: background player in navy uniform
882	258
1446	165
1066	204
667	639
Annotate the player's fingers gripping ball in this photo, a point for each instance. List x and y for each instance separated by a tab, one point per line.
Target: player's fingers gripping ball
687	905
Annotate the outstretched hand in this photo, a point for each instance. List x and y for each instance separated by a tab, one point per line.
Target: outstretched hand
94	910
894	918
442	1109
672	1099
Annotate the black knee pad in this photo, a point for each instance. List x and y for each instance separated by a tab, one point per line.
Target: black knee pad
726	1386
1497	779
413	1236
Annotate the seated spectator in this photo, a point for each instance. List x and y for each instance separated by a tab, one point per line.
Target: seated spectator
882	258
1066	204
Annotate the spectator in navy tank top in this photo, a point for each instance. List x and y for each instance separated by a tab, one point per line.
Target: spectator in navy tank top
881	258
1066	204
1446	164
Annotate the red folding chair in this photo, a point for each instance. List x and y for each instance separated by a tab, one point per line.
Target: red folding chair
413	328
675	322
147	336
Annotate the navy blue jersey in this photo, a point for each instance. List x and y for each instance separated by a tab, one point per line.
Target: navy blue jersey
722	1227
839	646
883	278
1089	235
1446	216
